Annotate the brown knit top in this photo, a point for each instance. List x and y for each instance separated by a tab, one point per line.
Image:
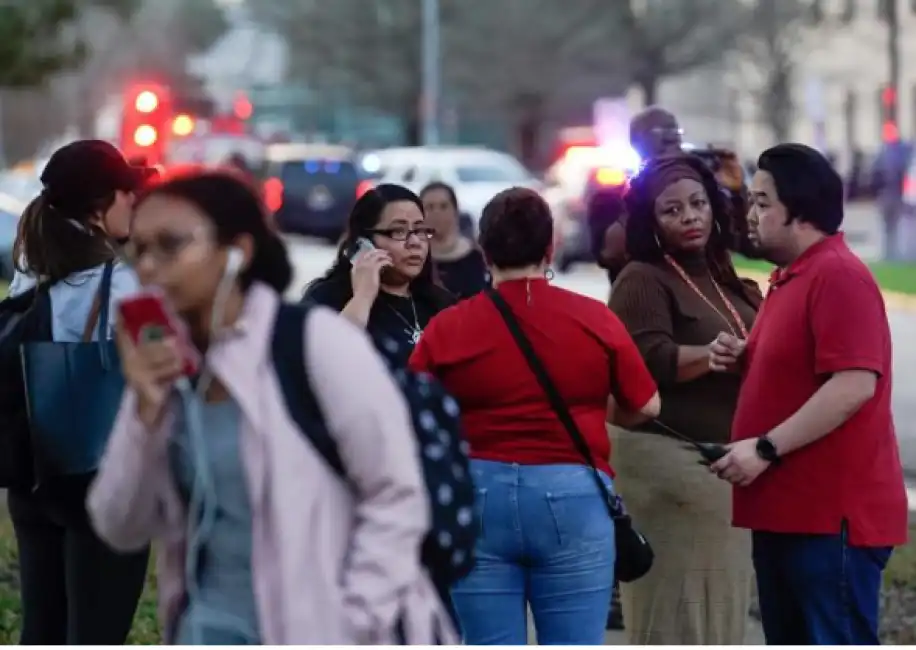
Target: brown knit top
662	312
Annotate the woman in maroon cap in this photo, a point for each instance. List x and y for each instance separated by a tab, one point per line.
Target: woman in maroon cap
74	589
678	292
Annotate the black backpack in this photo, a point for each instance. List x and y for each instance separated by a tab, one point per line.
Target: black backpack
448	550
23	318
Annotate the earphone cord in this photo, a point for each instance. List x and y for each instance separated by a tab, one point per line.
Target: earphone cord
203	498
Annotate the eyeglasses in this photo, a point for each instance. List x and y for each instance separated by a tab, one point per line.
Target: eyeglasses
403	233
164	247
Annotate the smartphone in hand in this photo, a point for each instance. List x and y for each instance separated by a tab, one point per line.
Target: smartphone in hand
146	317
360	248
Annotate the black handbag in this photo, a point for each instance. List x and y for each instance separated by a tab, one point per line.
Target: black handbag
634	553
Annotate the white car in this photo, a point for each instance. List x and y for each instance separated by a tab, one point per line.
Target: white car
476	173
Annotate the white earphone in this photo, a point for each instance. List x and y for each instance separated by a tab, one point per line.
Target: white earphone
234	260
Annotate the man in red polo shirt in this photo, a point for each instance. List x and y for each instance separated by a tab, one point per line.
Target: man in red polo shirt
814	458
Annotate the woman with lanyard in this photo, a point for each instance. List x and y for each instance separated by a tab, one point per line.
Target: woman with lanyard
383	278
676	295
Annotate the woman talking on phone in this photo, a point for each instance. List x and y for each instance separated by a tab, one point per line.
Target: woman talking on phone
259	540
383	278
74	589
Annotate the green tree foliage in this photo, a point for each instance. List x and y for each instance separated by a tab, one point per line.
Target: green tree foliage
38	38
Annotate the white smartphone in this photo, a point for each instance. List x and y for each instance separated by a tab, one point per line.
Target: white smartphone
362	246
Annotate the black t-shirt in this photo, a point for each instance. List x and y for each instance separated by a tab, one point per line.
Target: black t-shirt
391	317
465	276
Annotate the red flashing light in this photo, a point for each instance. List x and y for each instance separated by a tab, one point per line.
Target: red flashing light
890	132
363	187
242	107
889	96
145	136
146	102
273	194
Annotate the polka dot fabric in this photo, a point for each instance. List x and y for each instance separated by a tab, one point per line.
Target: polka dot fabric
448	549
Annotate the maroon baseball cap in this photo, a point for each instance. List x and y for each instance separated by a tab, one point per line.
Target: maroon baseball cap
82	172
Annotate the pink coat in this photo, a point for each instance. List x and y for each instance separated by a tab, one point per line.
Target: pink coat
332	564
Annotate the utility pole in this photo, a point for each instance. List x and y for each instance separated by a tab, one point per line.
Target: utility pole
431	73
892	17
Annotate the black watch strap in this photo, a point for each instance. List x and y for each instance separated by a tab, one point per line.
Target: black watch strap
767	450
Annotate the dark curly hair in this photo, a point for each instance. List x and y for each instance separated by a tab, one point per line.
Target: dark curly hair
642	227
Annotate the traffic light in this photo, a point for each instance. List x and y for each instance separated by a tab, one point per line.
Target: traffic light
890	132
146	118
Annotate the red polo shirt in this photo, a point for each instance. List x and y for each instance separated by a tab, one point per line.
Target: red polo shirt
824	314
504	411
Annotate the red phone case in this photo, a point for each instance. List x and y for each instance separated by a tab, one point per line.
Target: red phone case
146	315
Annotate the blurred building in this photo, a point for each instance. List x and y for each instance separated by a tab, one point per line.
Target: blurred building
840	69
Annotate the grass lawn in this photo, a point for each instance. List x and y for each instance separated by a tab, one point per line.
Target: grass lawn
891	276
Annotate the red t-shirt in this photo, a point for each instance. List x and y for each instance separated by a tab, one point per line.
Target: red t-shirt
823	314
505	413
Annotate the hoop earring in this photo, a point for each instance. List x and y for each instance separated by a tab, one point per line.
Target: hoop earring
549	274
718	227
657	241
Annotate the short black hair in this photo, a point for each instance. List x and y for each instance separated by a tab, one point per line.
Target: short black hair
516	229
235	209
807	184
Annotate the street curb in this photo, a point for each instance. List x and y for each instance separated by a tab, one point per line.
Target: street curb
893	299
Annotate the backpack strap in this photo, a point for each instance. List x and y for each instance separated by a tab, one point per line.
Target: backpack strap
288	349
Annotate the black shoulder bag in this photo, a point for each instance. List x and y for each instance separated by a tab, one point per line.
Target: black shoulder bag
633	551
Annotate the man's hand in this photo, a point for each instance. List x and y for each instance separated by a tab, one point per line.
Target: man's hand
741	465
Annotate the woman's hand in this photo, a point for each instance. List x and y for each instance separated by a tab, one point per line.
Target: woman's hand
150	369
366	274
725	352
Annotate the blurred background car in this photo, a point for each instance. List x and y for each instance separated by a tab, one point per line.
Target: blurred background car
10	210
570	183
475	173
311	188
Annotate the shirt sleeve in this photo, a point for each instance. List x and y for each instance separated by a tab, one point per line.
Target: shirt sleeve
632	384
849	324
642	305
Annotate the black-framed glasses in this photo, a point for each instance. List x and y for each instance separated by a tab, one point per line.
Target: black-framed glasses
403	233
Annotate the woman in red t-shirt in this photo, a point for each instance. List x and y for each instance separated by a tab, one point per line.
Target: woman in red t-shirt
545	535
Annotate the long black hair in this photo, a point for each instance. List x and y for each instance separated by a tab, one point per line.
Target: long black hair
235	209
364	217
642	228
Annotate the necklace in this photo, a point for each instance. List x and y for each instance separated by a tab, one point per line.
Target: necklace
728	305
413	330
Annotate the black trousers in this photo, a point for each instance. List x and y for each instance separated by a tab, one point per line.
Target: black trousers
75	590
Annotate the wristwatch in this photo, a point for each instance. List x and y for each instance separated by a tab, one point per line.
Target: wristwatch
767	450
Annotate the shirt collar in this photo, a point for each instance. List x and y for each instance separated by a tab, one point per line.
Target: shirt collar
803	261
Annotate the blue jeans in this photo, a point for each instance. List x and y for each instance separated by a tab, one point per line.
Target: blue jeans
817	589
546	540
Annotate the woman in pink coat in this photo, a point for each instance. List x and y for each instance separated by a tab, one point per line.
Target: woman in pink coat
259	541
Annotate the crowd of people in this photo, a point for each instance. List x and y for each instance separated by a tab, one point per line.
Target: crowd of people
438	442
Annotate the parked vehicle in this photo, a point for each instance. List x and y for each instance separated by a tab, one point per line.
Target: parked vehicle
311	188
10	211
476	173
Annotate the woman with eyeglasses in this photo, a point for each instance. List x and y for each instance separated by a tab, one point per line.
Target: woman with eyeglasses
383	278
